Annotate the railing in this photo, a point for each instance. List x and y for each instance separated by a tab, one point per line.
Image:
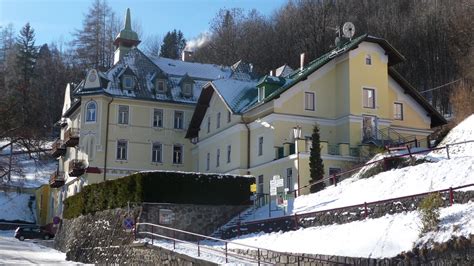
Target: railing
294	218
57	179
333	150
76	167
71	137
154	229
58	148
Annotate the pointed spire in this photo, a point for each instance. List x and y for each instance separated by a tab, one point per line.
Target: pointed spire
128	21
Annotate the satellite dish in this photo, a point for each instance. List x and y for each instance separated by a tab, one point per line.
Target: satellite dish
348	30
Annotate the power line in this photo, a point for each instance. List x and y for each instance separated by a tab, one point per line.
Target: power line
435	88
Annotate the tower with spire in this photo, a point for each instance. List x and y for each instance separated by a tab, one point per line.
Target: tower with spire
126	39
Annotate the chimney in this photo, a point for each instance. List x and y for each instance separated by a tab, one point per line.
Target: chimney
187	56
271	72
302	61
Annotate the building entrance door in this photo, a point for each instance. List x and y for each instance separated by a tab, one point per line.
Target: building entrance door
369	127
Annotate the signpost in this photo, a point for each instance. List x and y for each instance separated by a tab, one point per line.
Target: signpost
275	183
128	224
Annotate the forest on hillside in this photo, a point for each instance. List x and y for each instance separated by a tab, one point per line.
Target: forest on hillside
435	36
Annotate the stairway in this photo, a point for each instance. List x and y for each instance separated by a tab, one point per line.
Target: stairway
234	221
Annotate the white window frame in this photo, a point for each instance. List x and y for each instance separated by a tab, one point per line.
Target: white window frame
159	155
260	141
153	118
182	154
158	83
398	116
309	101
178	125
188	89
374	101
124	82
289	178
122	154
94	113
122	119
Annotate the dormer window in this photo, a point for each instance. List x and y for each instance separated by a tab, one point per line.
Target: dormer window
128	82
160	85
187	89
368	60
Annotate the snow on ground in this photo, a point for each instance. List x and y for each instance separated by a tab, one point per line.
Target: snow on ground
382	237
14	206
464	131
395	183
13	251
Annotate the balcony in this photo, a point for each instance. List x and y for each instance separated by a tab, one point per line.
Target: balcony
56	180
77	167
71	137
58	149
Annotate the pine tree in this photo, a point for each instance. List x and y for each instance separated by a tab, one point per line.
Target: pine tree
316	166
173	44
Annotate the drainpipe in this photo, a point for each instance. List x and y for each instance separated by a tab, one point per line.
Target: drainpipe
107	138
248	143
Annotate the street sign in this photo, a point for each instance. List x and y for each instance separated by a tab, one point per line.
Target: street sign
128	223
279	182
253	188
273	191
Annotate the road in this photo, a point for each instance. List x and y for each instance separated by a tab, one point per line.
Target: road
13	251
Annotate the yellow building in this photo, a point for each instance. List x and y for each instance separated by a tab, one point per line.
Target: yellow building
352	93
132	117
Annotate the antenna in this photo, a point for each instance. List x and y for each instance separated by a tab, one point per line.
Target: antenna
348	30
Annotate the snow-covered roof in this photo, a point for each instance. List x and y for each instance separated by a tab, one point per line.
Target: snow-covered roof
194	70
238	94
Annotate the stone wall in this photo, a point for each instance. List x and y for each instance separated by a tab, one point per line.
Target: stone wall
340	216
81	236
457	251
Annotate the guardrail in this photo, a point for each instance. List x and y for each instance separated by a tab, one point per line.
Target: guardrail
295	217
335	177
226	252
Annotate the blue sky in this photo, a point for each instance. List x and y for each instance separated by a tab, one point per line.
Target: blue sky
55	20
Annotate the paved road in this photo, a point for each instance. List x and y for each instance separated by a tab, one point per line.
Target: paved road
13	251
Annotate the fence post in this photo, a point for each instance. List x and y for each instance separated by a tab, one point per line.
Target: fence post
447	150
199	250
152	236
385	163
238	228
174	239
365	210
258	256
226	261
334	180
416	143
451	196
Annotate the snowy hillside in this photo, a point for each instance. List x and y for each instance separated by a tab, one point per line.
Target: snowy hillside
15	206
462	132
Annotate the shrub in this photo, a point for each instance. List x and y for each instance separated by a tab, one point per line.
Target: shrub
429	209
163	187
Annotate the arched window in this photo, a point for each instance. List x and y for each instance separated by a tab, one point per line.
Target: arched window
91	111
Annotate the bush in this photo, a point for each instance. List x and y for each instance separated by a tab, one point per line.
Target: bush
429	209
162	187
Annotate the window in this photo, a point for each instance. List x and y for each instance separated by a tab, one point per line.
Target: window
218	157
122	150
156	152
260	184
208	161
128	82
178	119
177	154
261	94
369	98
218	123
368	60
160	85
260	146
229	153
229	116
157	118
208	124
123	115
289	178
309	101
188	89
398	111
91	110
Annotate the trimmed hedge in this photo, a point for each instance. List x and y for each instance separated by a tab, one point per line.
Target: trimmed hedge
162	187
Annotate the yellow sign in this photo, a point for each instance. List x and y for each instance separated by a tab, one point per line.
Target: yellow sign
253	188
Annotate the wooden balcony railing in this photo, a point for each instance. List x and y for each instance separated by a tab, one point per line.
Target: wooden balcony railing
58	148
57	179
76	167
71	137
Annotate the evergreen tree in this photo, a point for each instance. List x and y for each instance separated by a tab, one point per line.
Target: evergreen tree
316	166
173	44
